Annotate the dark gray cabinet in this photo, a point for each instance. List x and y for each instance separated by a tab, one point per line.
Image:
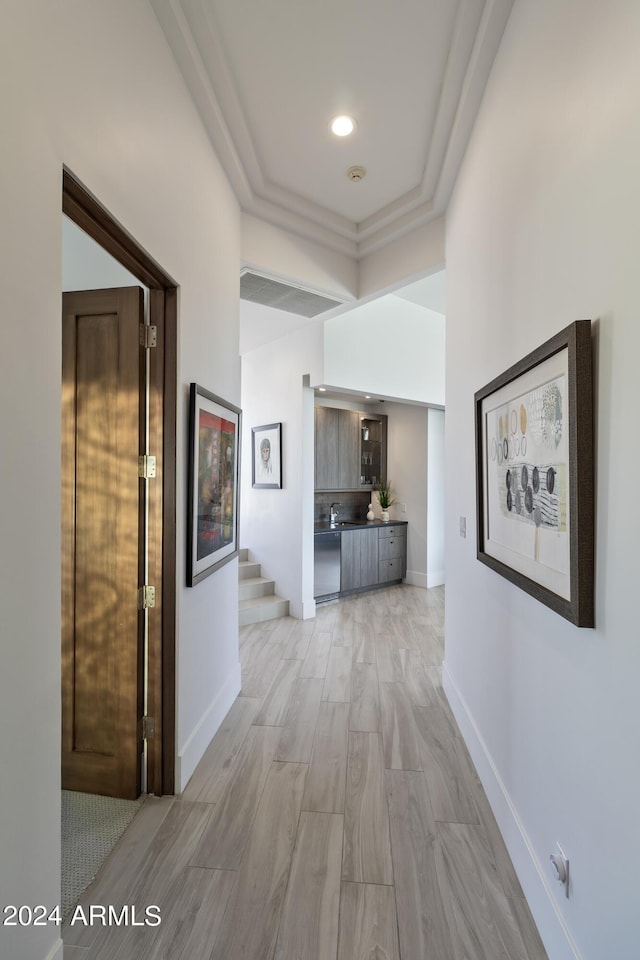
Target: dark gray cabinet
369	558
392	553
337	449
372	556
326	446
358	559
350	449
347	449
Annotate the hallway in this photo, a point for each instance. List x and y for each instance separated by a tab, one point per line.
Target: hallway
335	816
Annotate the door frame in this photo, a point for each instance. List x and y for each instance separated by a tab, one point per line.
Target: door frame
81	206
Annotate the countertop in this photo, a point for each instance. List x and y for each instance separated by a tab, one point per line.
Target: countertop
325	526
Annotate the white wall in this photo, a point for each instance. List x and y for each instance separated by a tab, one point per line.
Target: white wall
544	229
277	525
410	256
407	471
435	497
390	347
287	256
75	89
87	266
416	457
291	257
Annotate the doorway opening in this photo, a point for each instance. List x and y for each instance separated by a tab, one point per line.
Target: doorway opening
155	705
119	472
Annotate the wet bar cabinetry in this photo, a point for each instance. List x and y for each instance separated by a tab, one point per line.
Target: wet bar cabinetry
350	449
372	557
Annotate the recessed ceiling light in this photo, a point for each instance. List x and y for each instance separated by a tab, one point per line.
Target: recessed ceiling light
322	389
343	125
367	397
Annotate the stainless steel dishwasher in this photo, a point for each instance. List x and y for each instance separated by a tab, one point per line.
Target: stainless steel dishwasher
326	555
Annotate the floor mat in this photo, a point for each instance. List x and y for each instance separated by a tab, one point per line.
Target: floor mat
91	827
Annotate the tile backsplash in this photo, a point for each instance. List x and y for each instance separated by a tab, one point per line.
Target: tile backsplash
353	505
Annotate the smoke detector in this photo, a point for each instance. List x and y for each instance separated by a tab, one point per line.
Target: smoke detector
356	174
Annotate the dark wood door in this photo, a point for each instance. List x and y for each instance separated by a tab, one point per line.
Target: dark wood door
102	406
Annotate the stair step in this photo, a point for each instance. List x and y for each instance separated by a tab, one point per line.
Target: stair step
259	609
243	553
247	569
250	587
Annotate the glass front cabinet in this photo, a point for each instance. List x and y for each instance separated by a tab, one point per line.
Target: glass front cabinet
372	454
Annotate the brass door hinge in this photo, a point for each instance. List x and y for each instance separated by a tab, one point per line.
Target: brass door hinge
146	467
148	335
148	728
146	597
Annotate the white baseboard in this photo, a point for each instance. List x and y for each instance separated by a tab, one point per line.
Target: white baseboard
191	753
416	579
300	609
552	927
303	610
308	610
435	579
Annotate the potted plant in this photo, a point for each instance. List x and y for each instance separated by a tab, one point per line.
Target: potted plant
385	498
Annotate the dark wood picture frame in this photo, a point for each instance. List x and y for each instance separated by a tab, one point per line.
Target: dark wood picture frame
213	478
540	510
266	474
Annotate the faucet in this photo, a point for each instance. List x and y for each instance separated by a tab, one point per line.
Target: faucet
333	514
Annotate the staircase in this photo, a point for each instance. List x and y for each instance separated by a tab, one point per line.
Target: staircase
257	600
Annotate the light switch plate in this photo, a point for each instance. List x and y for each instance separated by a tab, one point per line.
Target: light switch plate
463	527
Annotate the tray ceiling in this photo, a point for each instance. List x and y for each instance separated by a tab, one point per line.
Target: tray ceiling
267	77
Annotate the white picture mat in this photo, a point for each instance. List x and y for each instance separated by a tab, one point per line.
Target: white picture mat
273	475
540	554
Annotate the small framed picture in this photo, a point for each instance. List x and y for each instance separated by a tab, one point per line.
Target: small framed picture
266	450
214	451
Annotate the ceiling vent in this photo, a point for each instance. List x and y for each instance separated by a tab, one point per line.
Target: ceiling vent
283	296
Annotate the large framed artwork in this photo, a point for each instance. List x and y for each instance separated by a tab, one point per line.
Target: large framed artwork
214	465
534	462
266	456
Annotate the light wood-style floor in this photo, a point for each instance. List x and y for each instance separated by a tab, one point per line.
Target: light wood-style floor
335	816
